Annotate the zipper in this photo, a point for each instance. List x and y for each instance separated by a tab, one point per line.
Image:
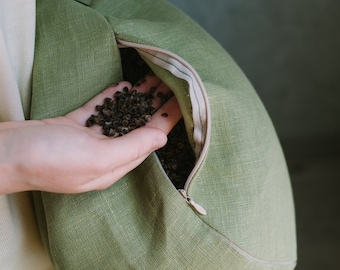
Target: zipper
198	208
199	100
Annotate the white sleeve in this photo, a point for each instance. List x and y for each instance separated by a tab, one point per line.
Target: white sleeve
20	243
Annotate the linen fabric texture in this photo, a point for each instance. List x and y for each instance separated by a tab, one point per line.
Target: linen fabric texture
142	221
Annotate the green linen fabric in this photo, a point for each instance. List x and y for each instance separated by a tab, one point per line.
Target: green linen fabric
142	221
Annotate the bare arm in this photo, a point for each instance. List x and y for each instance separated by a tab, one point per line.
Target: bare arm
62	155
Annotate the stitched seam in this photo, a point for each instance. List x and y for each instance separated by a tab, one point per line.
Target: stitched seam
246	254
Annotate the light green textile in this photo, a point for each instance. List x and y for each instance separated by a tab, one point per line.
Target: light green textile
142	221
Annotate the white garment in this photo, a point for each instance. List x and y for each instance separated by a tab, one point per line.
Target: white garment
20	243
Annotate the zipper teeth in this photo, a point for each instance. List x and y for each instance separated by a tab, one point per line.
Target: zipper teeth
197	78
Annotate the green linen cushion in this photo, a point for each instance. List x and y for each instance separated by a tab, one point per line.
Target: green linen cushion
142	221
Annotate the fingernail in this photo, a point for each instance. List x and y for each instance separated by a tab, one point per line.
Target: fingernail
160	139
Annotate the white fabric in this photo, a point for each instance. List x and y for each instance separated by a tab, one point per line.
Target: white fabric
20	243
17	20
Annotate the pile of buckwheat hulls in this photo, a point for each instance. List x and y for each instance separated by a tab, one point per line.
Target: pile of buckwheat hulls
128	110
177	157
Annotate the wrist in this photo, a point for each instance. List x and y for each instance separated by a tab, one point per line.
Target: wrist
9	174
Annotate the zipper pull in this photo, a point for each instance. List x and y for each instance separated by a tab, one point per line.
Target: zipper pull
198	208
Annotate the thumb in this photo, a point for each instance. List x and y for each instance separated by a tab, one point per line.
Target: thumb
132	146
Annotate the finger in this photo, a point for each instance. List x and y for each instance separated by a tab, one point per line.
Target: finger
154	86
166	117
161	95
132	146
149	82
83	113
106	180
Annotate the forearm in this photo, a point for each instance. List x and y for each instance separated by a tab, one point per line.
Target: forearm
18	124
11	177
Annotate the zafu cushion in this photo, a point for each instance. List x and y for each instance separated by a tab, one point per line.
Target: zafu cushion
143	222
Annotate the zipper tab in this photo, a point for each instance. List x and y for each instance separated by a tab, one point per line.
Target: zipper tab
198	208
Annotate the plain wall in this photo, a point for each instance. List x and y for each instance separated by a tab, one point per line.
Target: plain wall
290	51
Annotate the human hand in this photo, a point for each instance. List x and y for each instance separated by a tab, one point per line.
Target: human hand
62	155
